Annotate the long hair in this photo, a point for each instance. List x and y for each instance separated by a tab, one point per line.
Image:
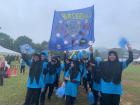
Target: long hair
74	70
58	63
66	65
35	70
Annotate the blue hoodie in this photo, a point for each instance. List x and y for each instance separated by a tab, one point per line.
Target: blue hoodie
34	84
71	88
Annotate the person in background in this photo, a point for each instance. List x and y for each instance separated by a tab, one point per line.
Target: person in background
111	73
6	69
72	81
35	81
22	66
2	74
2	66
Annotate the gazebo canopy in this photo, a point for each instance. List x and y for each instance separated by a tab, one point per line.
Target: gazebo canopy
4	51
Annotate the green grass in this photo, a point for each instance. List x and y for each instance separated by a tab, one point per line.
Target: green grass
14	90
131	78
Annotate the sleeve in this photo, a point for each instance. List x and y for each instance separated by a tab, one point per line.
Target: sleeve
65	56
91	56
78	77
62	66
128	61
44	67
84	74
27	60
81	69
67	74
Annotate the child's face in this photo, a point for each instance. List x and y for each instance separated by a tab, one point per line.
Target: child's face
42	57
53	61
67	61
112	57
36	58
72	64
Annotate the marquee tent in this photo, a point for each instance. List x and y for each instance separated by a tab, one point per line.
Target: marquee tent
4	51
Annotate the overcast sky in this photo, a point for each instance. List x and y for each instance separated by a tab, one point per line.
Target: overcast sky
33	18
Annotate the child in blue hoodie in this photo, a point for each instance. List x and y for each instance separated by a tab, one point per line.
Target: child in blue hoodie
50	77
58	70
111	73
72	79
35	80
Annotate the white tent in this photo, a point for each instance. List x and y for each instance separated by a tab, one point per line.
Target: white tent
4	51
136	60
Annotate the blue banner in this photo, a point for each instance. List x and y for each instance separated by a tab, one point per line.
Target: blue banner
72	30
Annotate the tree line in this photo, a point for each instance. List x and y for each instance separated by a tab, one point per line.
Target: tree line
9	43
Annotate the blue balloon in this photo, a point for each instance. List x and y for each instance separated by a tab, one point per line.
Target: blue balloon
26	48
60	92
123	42
91	99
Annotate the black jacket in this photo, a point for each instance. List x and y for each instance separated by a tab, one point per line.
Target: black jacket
112	71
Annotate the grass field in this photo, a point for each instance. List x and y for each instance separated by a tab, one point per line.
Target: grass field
14	90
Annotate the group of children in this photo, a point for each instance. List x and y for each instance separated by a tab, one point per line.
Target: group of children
101	79
43	76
